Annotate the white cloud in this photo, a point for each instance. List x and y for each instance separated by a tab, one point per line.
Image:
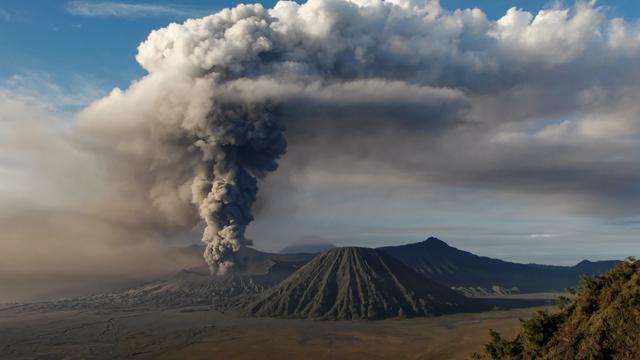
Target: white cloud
39	87
554	35
542	235
123	9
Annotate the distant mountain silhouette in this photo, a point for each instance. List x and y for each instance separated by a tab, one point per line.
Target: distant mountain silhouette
595	267
461	269
307	248
357	283
346	283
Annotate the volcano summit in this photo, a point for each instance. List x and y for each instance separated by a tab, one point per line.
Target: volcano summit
357	283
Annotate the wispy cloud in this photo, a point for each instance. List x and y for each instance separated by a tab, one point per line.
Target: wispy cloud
41	88
542	235
123	9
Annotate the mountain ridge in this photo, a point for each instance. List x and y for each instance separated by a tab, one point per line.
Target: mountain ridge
357	283
462	269
433	259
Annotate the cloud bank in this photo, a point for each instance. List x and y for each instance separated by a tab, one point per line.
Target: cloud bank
123	9
69	227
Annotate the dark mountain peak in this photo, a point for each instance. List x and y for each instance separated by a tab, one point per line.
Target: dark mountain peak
461	269
430	244
594	267
350	254
356	283
434	241
351	250
583	263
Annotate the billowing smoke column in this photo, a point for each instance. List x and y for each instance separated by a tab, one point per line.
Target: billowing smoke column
240	145
207	121
206	117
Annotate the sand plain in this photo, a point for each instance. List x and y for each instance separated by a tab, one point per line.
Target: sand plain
203	333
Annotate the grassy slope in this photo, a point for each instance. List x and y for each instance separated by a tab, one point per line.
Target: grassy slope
601	322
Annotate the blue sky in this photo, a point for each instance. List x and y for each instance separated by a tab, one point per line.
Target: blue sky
47	37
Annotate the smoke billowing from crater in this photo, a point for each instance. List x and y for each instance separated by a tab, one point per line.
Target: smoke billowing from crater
210	115
370	78
240	144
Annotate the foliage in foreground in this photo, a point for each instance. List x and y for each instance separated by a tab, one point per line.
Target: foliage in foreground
601	322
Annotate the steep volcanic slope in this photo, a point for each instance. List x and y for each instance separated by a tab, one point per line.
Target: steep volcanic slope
456	268
356	283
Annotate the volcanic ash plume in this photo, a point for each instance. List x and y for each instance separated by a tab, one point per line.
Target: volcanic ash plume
189	147
207	121
241	144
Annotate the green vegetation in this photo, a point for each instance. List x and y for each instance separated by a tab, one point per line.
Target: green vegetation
602	321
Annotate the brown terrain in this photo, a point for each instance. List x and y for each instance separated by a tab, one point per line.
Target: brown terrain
202	333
